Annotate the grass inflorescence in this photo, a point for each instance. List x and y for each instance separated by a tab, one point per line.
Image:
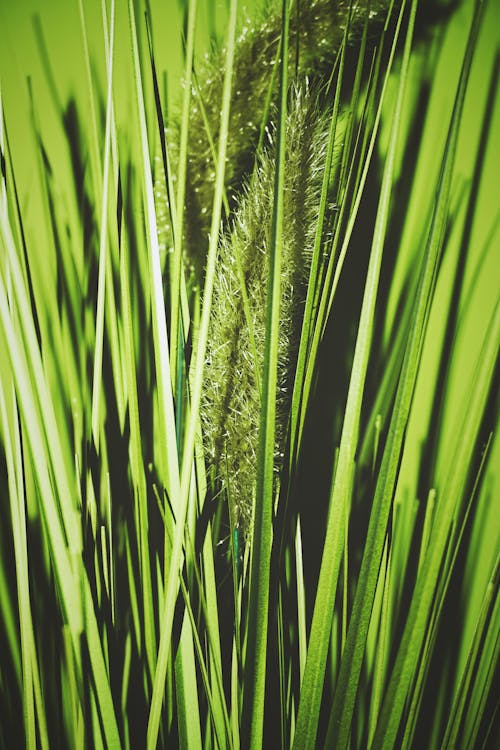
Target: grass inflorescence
231	401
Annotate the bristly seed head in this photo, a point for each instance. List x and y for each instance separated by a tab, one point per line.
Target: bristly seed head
231	400
230	407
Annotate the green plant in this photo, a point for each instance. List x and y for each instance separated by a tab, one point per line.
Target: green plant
249	394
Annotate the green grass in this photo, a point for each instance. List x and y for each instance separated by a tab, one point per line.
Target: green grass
249	377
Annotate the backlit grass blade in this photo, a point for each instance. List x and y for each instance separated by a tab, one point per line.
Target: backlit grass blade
168	446
63	570
95	158
9	419
453	487
188	713
222	731
459	708
484	682
257	627
10	625
301	602
136	458
213	626
351	663
336	262
181	185
213	687
103	250
447	569
71	693
312	684
166	619
382	643
30	366
315	262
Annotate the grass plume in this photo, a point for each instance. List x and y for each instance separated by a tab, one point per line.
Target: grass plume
235	356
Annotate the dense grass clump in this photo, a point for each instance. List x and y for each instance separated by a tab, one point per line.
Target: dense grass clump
250	329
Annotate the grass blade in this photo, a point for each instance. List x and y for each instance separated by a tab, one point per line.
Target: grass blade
312	685
189	441
255	661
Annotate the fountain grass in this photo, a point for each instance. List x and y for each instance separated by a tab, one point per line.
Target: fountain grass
249	391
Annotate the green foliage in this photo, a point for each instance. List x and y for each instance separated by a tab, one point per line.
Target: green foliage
249	390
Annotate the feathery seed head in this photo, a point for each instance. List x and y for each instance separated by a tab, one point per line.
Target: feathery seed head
231	401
